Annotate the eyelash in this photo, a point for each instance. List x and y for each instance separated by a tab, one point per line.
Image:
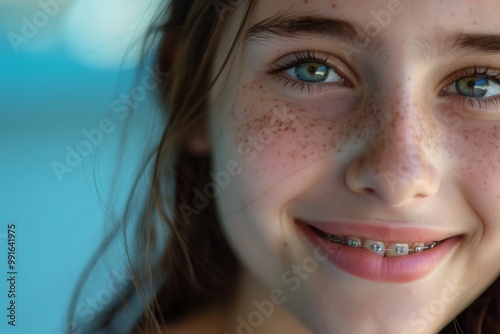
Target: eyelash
476	71
298	58
302	57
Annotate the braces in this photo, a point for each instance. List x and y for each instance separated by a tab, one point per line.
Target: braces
378	248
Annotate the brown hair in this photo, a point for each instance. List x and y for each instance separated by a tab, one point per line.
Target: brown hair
168	280
481	317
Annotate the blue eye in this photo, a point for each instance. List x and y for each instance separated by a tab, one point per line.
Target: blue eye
313	72
474	87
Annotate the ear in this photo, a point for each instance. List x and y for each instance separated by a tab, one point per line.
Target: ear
198	141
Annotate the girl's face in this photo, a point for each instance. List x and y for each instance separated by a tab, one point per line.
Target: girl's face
374	124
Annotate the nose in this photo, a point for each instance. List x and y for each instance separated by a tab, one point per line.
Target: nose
393	167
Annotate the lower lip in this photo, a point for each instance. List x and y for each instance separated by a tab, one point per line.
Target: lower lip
362	263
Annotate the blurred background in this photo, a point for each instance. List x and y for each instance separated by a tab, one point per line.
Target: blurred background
76	119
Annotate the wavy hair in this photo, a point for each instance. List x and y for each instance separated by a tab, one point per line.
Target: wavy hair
194	266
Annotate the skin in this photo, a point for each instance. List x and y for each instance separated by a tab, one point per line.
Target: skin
329	157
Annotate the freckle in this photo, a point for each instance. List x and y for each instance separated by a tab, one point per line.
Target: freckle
285	244
260	86
409	78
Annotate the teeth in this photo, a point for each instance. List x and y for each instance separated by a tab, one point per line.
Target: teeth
376	247
397	250
380	248
354	242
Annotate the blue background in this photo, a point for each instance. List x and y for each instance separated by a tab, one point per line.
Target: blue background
66	79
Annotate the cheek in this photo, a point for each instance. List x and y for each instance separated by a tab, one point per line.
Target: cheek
281	148
473	157
280	144
285	147
477	160
275	139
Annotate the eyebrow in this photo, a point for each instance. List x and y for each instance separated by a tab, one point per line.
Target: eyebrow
437	42
442	43
488	43
281	26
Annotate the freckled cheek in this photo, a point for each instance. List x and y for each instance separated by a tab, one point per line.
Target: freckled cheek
274	141
480	166
473	156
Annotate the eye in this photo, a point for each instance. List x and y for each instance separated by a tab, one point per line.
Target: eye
313	72
474	87
478	88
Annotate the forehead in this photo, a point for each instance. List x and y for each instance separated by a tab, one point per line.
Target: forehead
396	17
389	30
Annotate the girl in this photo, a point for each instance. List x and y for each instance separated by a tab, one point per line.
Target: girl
335	167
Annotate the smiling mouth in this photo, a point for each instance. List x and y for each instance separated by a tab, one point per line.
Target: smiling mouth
386	249
378	252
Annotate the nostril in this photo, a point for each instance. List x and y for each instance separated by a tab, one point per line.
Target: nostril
368	191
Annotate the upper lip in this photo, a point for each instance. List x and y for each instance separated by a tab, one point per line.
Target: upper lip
396	232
